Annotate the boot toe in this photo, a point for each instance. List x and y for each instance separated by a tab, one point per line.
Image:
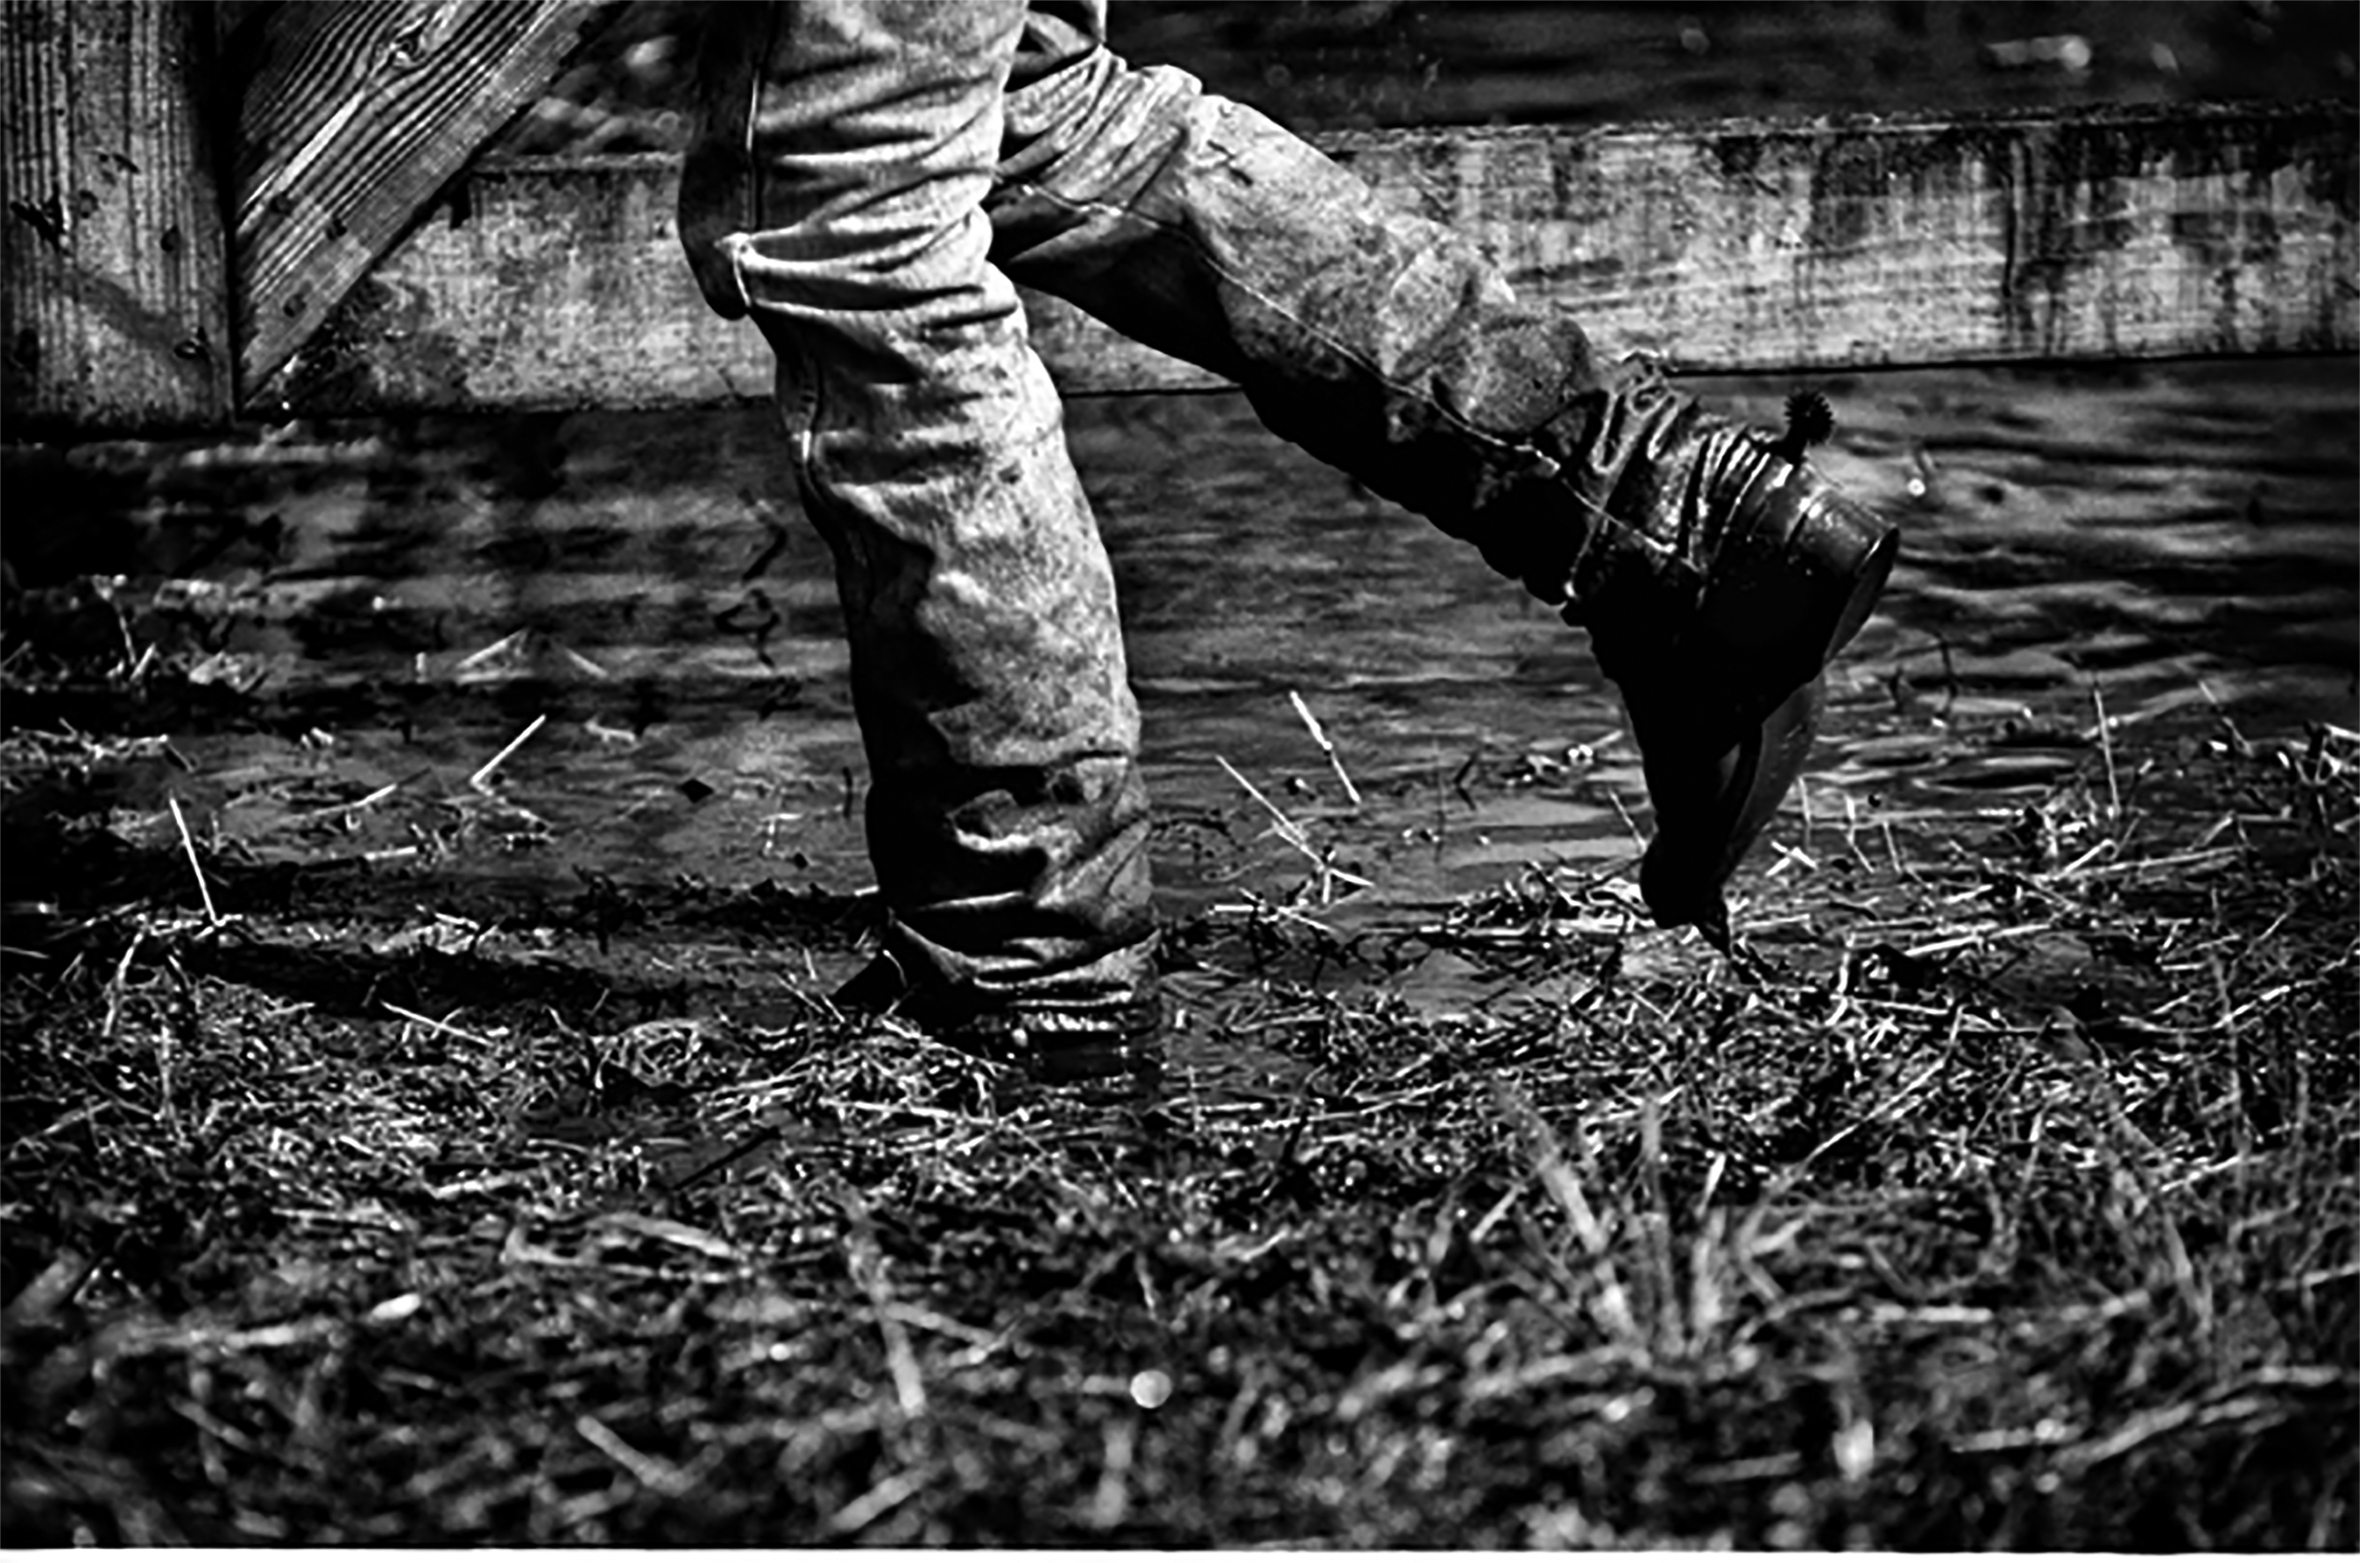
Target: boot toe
1058	1034
1711	808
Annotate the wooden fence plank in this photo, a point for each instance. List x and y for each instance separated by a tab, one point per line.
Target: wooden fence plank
353	116
2154	231
114	281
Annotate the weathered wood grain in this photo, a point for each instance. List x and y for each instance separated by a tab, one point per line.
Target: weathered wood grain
114	281
2156	231
353	117
2101	234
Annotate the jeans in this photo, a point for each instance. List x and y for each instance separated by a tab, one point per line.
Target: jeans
869	180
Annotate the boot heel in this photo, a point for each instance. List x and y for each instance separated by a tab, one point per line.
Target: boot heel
1798	581
1866	567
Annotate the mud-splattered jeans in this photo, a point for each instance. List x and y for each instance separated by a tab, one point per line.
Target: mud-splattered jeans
869	180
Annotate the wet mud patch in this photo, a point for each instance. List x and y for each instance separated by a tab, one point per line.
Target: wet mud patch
335	630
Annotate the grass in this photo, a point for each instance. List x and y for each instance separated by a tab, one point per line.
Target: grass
2006	1198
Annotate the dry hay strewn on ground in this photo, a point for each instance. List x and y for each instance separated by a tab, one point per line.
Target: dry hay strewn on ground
2009	1201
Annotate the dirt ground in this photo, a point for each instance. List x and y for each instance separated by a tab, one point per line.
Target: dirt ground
2001	1196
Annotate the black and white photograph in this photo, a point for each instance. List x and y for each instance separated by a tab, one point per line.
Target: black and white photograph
1180	775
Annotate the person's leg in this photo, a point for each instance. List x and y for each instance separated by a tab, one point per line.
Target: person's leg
1716	576
835	195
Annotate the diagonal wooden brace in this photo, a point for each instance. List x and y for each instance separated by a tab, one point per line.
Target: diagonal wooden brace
355	115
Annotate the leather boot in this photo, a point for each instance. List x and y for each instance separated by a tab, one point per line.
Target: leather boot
1717	572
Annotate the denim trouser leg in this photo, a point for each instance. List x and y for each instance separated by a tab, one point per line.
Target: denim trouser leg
868	178
836	195
1383	343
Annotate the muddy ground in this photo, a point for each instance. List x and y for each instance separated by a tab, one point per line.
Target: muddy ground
2002	1195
